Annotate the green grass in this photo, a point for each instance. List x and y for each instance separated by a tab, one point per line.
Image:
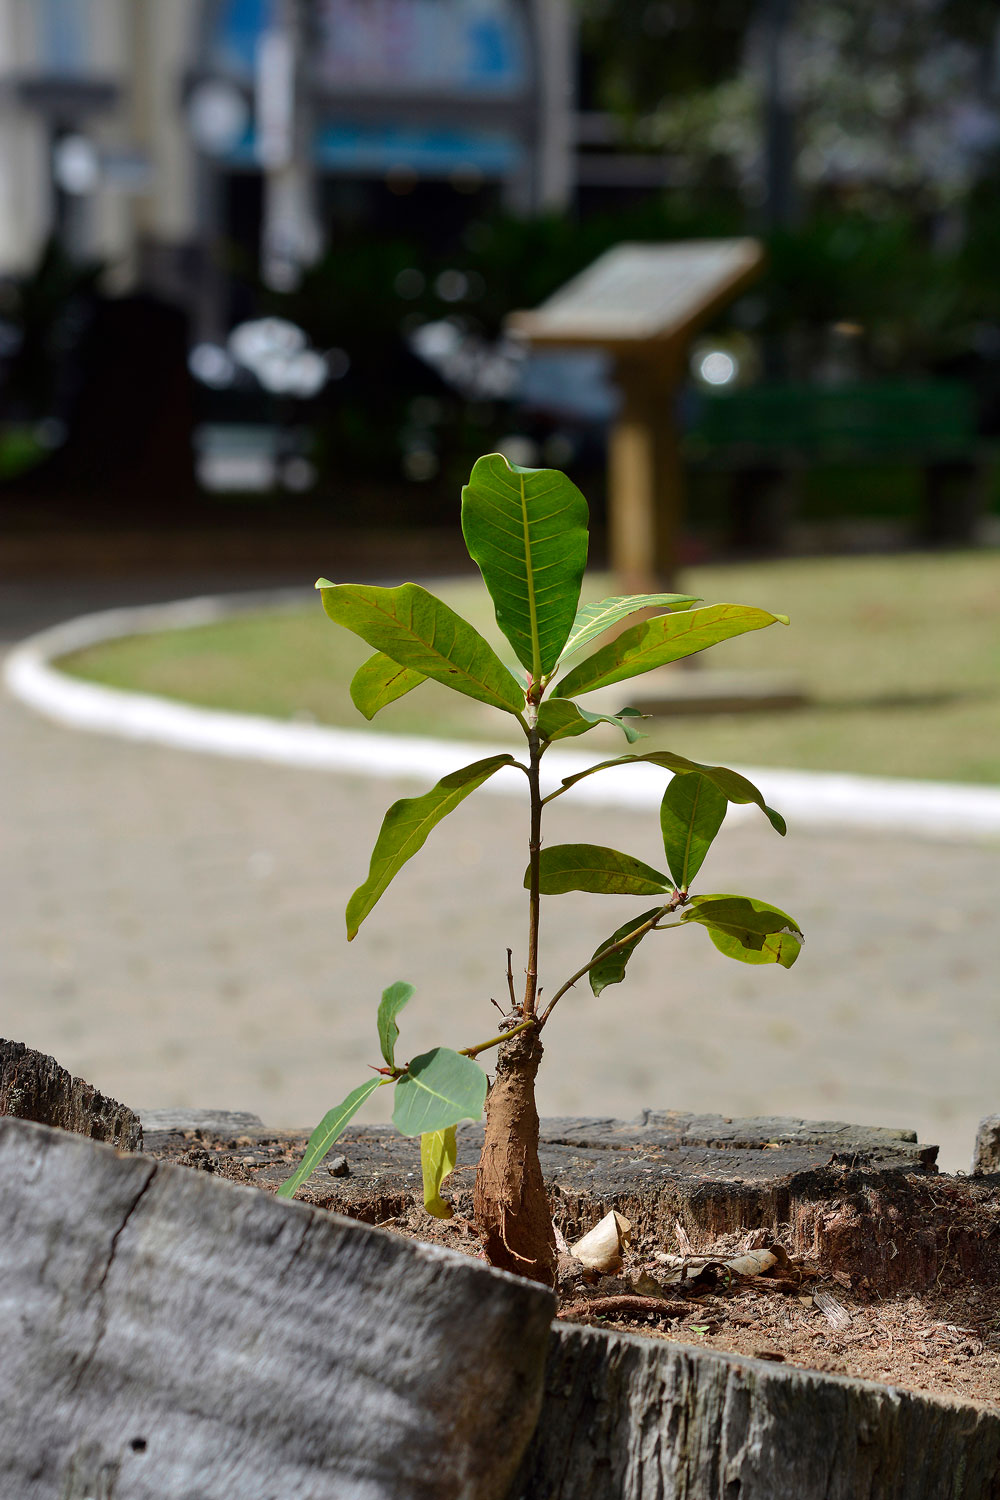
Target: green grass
900	656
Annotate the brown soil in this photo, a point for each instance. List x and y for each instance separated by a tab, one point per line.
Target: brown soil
817	1313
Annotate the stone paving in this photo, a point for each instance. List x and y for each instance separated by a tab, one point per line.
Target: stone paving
173	931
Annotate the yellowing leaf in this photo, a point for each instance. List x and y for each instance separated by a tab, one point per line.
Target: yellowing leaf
438	1151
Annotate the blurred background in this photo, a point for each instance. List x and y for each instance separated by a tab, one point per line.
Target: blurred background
257	259
256	256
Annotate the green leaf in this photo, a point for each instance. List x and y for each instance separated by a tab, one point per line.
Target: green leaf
392	1002
438	1152
666	638
438	1089
752	931
527	530
691	814
611	970
405	828
593	620
379	681
733	786
420	632
327	1133
561	718
591	867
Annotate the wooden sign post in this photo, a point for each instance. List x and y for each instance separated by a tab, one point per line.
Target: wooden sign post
643	303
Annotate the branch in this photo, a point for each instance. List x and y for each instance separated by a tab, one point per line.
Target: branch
637	932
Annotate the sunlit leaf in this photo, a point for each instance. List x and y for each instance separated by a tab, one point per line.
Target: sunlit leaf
691	814
744	928
392	1002
561	718
327	1133
733	786
593	620
420	632
653	643
438	1152
438	1089
611	970
527	530
405	828
591	867
379	681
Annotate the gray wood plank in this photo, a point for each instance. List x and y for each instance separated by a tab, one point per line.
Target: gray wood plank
168	1336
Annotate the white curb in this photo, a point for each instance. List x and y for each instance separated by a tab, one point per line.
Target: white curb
809	799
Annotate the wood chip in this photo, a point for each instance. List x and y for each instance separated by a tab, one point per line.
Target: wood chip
835	1312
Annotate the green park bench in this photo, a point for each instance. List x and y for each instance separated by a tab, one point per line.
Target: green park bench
765	436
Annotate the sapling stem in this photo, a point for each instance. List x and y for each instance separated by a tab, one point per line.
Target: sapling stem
534	873
495	1041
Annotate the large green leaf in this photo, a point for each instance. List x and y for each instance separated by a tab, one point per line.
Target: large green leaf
691	814
561	718
405	828
611	970
591	867
666	638
527	530
420	632
438	1089
327	1133
733	786
438	1153
593	620
747	929
392	1002
379	681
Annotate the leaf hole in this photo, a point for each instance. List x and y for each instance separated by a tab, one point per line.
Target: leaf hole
138	1445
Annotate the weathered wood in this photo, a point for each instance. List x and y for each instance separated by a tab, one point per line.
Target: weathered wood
862	1199
167	1336
632	1419
35	1087
986	1156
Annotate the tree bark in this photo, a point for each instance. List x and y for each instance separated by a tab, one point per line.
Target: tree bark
632	1419
166	1335
35	1087
510	1204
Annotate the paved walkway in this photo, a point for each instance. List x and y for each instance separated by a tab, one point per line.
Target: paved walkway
173	931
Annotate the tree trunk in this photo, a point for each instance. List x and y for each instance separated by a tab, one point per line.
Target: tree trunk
632	1419
510	1204
166	1335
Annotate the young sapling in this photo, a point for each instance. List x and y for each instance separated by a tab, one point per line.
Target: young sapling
527	531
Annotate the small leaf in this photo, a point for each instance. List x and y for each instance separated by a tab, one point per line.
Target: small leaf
734	787
379	681
420	632
405	828
392	1002
666	638
438	1089
593	620
590	867
327	1133
527	530
561	718
611	970
691	814
744	928
438	1152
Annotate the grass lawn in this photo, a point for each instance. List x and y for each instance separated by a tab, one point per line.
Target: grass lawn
900	656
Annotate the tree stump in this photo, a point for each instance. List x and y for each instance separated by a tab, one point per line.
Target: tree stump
167	1336
35	1087
631	1419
